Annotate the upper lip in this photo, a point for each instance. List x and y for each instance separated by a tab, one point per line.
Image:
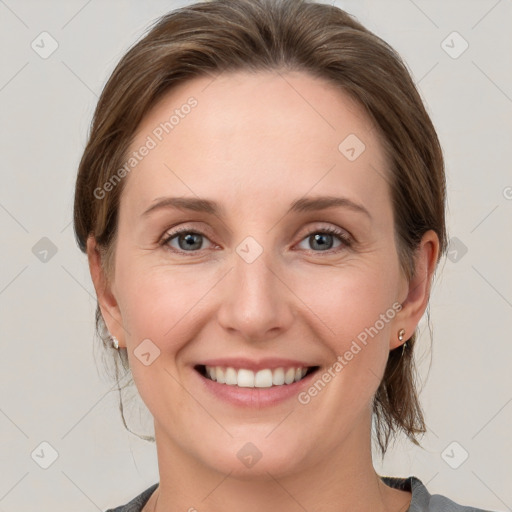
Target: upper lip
255	365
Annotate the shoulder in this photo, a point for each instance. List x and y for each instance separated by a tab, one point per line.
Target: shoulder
435	502
137	503
423	501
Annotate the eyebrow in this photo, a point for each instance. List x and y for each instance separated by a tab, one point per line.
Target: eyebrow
305	204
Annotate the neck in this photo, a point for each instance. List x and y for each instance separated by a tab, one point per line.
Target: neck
343	480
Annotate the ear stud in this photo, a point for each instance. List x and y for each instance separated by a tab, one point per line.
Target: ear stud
115	342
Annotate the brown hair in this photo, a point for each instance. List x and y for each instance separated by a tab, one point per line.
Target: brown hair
211	37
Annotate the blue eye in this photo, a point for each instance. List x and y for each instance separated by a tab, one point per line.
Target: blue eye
323	239
188	241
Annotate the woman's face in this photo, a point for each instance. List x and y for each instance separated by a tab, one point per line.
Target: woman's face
258	280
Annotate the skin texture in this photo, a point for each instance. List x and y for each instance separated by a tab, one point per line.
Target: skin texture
255	143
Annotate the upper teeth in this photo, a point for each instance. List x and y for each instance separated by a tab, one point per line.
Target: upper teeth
249	379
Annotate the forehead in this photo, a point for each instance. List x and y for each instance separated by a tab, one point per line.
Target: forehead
254	133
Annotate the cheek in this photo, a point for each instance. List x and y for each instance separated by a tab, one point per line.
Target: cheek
352	309
350	299
161	302
159	305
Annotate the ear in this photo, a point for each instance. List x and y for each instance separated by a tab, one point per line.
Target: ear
418	288
105	293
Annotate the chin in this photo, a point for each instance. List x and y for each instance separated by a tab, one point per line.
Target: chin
251	456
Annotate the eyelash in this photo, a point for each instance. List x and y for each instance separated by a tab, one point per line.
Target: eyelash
346	240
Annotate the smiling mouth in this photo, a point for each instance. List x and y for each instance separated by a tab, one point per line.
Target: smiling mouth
265	378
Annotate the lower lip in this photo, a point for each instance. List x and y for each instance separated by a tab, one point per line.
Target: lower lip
255	398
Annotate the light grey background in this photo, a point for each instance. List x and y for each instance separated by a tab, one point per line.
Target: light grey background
51	389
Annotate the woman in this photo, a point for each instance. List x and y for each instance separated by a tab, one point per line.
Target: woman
261	201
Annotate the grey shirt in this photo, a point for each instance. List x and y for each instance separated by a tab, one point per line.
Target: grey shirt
422	500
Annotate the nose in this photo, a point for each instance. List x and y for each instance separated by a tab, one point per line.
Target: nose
256	301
